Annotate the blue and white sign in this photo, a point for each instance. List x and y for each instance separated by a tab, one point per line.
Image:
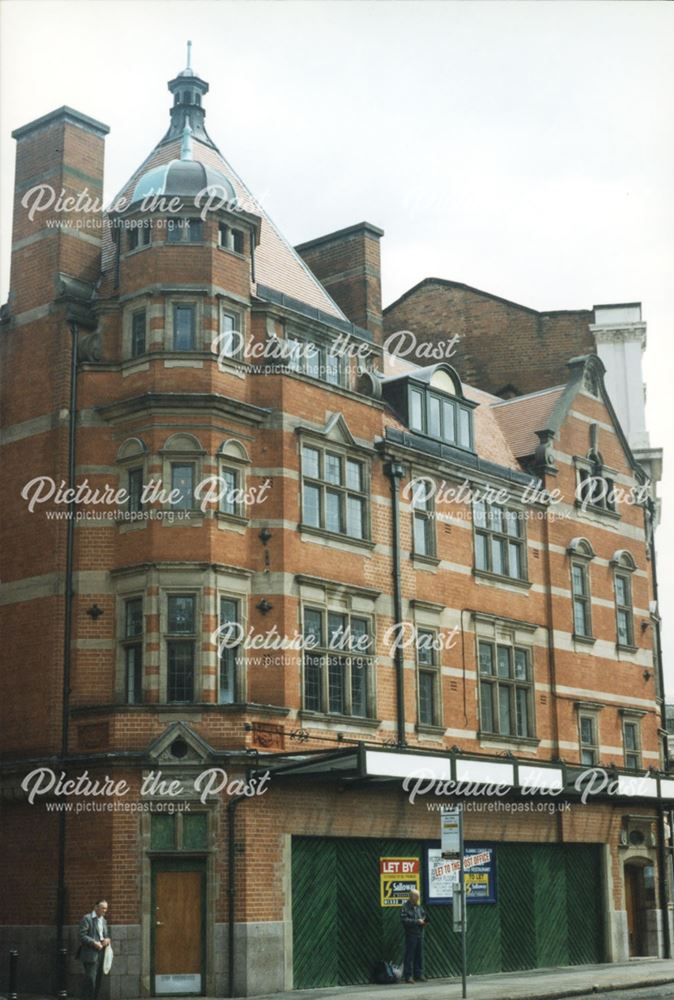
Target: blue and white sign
442	875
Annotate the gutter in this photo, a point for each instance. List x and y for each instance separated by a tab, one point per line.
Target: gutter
67	641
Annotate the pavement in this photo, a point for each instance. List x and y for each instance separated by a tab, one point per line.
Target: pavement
531	984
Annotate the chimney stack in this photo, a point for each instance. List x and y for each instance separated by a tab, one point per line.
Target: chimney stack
348	265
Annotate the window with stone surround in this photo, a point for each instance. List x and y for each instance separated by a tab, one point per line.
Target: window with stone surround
423	519
500	540
229	653
334	492
132	456
132	644
337	662
589	739
181	641
316	359
138	332
506	689
623	567
182	461
428	678
230	238
581	553
632	741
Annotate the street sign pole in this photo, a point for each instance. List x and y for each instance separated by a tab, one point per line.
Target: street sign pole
451	842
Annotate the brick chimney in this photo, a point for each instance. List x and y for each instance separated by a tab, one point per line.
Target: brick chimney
348	265
58	157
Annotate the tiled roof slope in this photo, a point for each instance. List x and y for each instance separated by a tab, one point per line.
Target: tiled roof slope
277	265
521	417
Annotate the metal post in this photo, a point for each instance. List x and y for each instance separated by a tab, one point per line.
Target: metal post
462	884
13	970
61	972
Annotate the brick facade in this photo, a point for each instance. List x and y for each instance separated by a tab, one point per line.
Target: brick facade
173	407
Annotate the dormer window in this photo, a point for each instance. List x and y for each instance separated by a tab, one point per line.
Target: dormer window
438	408
440	418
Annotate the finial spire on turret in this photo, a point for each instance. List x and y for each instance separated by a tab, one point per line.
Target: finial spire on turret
186	148
188	91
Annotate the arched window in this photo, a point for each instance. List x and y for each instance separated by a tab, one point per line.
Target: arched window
581	552
232	462
182	461
623	567
132	456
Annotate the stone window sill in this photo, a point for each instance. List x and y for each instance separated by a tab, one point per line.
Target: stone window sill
334	536
308	715
586	640
484	574
518	741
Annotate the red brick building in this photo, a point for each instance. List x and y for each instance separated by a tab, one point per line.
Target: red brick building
475	631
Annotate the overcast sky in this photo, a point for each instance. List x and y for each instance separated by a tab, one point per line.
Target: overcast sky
523	148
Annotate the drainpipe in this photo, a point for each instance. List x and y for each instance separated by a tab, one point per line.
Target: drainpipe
67	633
395	471
650	513
662	880
551	635
231	889
662	864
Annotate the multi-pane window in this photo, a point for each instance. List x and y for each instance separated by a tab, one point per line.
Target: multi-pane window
632	744
229	488
139	236
580	591
185	230
230	334
499	540
133	650
138	326
182	485
179	831
316	360
441	417
135	490
428	674
506	689
230	239
337	663
594	488
589	744
624	612
229	651
333	492
184	328
180	647
423	523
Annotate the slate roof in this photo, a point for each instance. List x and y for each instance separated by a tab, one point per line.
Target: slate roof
521	417
277	264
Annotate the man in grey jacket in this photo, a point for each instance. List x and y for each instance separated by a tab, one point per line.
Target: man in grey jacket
414	920
93	942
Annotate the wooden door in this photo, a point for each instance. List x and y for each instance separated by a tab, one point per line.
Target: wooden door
178	931
633	876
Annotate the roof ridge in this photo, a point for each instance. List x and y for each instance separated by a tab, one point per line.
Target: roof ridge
529	395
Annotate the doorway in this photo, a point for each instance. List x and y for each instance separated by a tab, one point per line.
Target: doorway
635	905
178	927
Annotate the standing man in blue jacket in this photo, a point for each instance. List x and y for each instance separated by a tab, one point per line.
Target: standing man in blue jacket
414	920
93	942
